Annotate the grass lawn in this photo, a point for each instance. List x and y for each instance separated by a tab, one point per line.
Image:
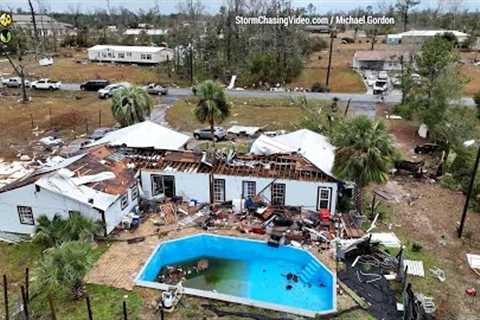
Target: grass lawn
106	302
67	69
342	79
269	113
69	112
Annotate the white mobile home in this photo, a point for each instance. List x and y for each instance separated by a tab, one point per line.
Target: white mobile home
282	179
418	37
380	60
130	54
98	184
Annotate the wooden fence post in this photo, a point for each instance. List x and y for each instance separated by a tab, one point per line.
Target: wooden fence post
89	308
27	284
5	296
25	303
125	314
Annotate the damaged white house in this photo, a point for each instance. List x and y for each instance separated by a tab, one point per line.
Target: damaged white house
285	176
99	184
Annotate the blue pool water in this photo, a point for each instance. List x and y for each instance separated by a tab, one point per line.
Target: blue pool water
249	269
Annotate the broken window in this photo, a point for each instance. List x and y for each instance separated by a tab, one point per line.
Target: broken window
25	215
163	185
249	189
148	56
278	194
324	198
134	192
124	201
219	190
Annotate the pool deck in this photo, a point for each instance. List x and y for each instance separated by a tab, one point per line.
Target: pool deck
120	264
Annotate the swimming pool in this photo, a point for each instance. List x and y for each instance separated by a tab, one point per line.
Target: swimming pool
244	271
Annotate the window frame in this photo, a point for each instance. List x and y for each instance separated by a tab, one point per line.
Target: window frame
274	197
134	192
221	193
21	218
124	201
246	187
162	180
322	199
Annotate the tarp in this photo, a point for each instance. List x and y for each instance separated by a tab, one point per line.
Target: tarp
313	146
145	134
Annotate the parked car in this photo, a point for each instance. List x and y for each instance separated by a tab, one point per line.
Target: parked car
46	84
94	85
206	133
157	89
14	82
380	86
109	90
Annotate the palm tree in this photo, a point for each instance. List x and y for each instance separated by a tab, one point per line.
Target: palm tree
63	268
363	155
213	105
49	233
131	105
80	228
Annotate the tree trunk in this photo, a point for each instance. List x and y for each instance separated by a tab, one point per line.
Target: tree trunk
212	129
52	307
24	90
358	198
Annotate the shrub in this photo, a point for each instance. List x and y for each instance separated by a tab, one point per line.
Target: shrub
404	110
318	87
416	247
476	99
318	44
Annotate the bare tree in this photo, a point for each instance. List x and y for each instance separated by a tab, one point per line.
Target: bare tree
19	69
403	7
34	22
455	6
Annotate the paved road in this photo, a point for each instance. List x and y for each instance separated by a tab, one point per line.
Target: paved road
357	98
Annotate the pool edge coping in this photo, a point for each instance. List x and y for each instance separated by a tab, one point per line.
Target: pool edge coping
231	298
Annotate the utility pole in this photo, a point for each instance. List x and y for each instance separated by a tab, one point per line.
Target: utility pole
469	194
332	37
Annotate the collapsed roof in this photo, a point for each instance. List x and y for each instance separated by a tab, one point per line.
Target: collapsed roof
313	146
289	165
145	134
97	178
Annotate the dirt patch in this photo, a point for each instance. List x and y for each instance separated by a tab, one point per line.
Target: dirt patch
68	114
427	214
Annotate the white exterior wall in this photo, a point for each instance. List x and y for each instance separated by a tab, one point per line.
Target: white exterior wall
50	203
115	214
197	186
162	55
297	193
188	185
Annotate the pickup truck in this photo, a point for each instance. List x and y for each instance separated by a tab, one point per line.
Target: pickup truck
46	84
14	82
